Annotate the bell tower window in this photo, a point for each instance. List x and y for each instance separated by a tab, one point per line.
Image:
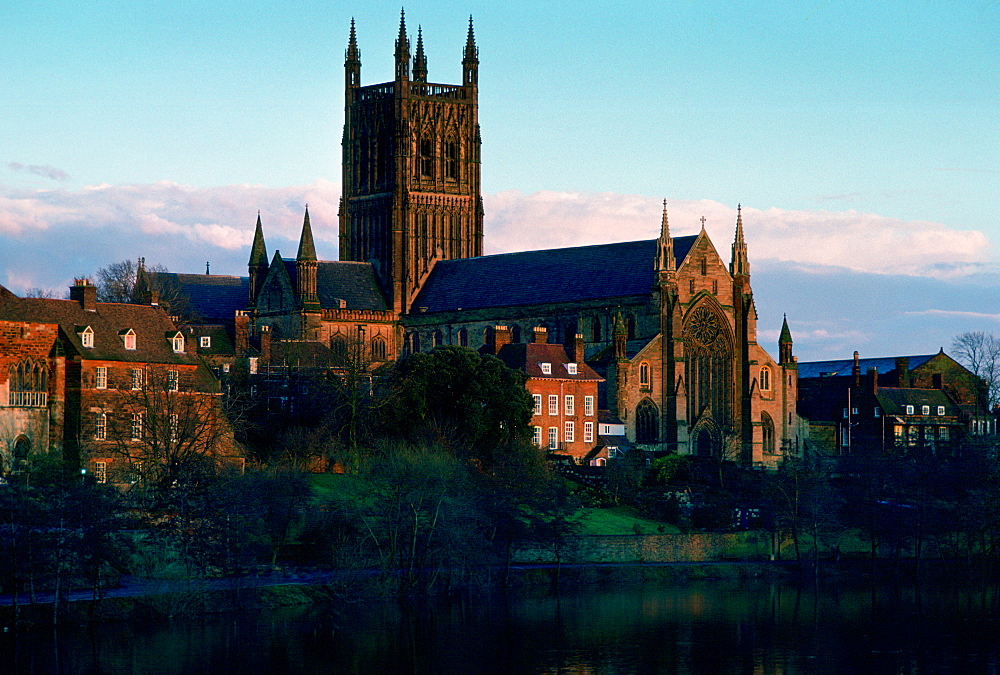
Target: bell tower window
426	158
451	160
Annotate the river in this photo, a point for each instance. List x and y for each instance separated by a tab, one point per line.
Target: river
696	627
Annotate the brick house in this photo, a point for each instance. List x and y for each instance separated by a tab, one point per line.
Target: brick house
564	389
895	404
107	385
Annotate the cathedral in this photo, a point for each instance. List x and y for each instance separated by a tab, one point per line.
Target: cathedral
667	323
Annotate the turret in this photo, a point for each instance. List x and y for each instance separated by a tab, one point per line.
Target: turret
420	59
665	261
352	62
470	63
785	344
306	266
257	266
740	265
402	51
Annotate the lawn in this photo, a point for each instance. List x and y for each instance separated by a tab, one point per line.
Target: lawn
619	520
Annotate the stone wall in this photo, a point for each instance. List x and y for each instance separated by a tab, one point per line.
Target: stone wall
651	548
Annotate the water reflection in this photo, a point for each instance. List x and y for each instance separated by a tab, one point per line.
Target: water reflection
706	627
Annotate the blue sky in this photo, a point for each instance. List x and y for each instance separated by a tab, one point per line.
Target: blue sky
862	139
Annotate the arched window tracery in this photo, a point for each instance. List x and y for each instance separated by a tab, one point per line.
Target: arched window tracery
28	384
647	422
709	365
767	433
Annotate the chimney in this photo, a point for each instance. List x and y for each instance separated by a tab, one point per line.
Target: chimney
873	376
265	345
242	336
540	335
856	370
501	337
903	372
85	293
577	355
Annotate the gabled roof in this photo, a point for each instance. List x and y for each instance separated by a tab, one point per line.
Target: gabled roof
845	367
528	357
109	322
551	276
353	282
212	298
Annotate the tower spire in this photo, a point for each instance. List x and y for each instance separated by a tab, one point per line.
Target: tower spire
785	343
352	60
420	60
402	49
307	251
740	265
257	266
470	62
665	261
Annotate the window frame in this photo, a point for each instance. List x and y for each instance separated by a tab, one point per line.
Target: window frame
173	380
569	404
101	426
553	438
553	404
588	432
100	377
588	406
546	368
537	398
87	337
569	431
205	342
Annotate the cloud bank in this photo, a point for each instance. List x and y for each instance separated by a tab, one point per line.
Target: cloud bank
847	280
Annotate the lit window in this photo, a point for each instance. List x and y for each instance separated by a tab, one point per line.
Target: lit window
570	404
588	432
205	341
765	379
546	368
225	367
569	433
101	377
845	413
588	406
137	379
129	339
553	404
537	437
137	426
571	368
101	472
878	411
553	438
100	427
538	404
940	411
909	410
87	337
943	434
925	410
172	380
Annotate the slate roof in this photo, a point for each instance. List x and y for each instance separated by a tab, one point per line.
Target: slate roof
152	327
551	276
353	282
527	357
894	401
212	298
845	367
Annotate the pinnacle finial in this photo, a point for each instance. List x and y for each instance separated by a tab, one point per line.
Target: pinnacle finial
420	60
402	42
740	264
665	245
471	51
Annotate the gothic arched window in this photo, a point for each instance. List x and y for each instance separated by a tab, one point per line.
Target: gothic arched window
765	379
427	157
644	380
437	339
709	366
767	433
451	160
515	334
463	337
28	384
630	327
595	329
338	346
378	349
647	422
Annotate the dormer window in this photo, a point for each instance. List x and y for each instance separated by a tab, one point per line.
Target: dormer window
177	343
546	368
571	368
205	341
940	410
925	410
87	337
128	338
909	410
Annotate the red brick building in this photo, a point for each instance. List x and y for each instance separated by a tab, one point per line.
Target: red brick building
109	386
563	387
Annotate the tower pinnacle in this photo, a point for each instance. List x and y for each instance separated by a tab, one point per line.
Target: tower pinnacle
352	61
420	60
665	261
470	62
402	49
740	265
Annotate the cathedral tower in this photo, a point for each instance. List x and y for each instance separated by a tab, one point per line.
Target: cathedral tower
411	168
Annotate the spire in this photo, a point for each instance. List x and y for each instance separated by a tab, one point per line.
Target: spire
785	343
307	251
470	62
402	49
420	60
352	60
740	265
258	251
665	261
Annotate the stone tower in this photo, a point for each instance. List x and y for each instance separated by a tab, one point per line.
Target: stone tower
411	168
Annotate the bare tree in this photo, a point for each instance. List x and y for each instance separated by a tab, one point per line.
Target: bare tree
980	352
116	281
